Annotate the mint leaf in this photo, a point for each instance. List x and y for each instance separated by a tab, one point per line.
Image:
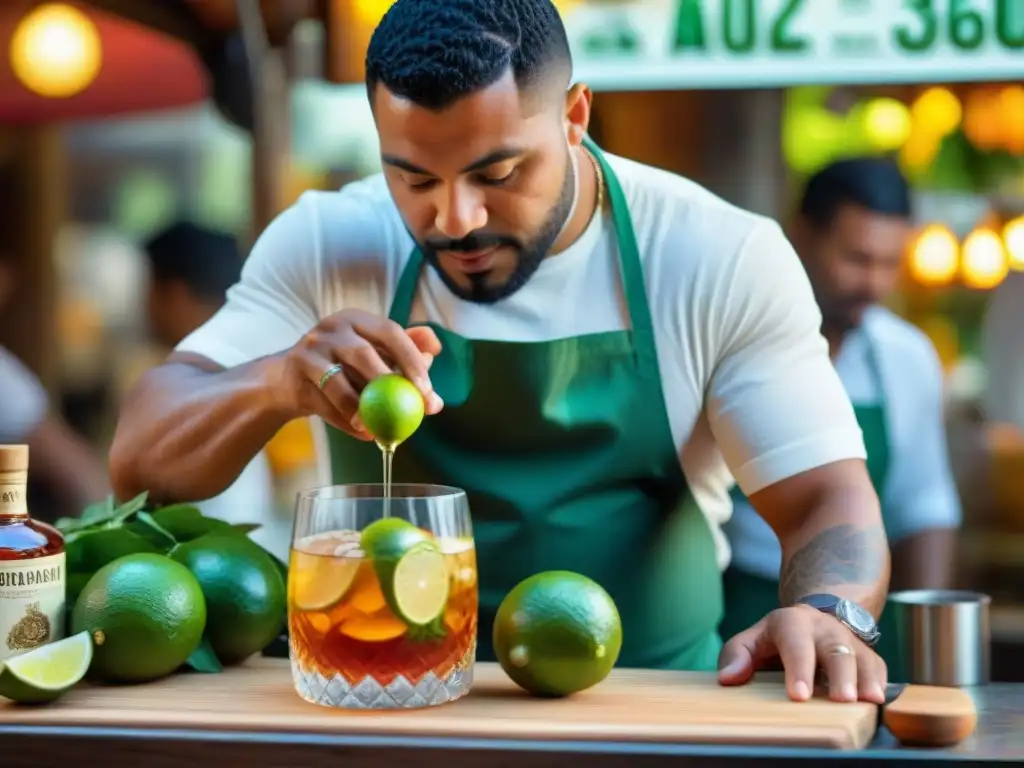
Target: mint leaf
101	511
125	511
203	659
245	527
88	551
144	525
102	515
185	522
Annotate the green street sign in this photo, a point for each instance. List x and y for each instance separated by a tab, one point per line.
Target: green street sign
654	44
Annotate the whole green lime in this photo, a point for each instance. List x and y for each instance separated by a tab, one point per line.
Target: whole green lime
244	591
391	409
557	633
145	614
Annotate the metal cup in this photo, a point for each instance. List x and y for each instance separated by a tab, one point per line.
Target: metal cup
942	637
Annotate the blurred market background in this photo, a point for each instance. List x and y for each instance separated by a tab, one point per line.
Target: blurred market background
120	116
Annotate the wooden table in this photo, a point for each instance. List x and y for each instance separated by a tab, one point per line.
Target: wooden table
133	727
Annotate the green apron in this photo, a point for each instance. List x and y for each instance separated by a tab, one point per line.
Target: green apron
748	597
565	452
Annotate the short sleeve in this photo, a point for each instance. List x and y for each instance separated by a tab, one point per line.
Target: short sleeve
23	401
276	301
920	492
775	403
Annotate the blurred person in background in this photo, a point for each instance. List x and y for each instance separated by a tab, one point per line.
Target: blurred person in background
60	462
1003	349
851	233
191	270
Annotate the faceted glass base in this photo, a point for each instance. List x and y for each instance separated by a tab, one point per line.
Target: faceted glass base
432	690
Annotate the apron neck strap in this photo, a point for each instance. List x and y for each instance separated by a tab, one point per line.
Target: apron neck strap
629	252
401	305
629	260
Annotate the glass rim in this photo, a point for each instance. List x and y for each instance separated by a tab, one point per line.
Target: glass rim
937	598
428	492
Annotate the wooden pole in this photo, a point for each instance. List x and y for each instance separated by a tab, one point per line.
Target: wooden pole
271	135
34	209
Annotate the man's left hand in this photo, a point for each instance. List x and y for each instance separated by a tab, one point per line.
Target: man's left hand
804	639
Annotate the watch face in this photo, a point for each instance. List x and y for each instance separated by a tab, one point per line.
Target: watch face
859	618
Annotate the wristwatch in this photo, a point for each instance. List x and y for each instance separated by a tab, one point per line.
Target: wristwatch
856	618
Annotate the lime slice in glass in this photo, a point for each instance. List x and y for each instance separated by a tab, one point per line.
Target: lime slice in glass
45	673
421	586
411	570
323	568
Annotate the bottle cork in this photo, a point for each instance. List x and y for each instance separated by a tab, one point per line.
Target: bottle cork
13	458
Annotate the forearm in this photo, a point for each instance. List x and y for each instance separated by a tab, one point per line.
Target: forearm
925	560
185	434
839	547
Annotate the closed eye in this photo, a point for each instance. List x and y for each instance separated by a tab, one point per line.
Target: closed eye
497	181
421	185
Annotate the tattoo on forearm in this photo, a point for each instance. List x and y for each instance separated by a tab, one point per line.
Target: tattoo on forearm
837	556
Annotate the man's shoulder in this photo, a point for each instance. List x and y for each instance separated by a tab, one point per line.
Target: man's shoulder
359	219
697	248
673	205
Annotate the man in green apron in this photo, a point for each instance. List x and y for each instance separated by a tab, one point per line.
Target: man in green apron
854	227
596	340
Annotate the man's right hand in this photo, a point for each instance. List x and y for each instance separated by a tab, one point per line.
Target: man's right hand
365	346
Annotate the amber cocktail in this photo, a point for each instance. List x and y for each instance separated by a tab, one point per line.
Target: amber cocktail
382	599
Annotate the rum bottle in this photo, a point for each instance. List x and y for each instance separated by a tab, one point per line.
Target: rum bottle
32	573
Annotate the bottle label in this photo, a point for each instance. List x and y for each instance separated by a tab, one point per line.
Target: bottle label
32	598
12	498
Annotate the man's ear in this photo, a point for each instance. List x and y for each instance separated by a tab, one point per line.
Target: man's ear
578	101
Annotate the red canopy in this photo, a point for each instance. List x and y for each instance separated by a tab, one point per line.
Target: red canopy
142	71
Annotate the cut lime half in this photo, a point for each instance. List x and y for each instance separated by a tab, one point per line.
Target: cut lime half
421	586
43	674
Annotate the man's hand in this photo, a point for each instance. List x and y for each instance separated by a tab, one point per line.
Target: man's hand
804	639
366	346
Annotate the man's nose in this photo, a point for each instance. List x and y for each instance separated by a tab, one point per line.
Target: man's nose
460	212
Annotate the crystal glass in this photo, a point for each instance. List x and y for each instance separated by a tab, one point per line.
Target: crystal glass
382	596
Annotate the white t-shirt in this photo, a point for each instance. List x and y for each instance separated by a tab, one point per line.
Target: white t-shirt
919	491
23	401
745	371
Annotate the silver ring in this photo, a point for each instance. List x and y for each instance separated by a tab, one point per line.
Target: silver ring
329	374
841	650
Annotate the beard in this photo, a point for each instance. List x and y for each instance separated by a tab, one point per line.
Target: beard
529	255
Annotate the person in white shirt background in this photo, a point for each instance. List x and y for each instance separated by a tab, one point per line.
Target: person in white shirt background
851	232
61	462
191	269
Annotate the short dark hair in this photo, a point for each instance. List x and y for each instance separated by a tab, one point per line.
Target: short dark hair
873	183
434	52
207	261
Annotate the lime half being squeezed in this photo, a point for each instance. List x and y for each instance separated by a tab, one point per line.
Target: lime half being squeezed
391	408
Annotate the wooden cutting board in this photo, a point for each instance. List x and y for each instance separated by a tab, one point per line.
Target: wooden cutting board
630	705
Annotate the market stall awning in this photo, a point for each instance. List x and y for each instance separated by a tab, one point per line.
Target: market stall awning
142	70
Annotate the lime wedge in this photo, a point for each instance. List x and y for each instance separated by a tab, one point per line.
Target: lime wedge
412	573
322	570
44	673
